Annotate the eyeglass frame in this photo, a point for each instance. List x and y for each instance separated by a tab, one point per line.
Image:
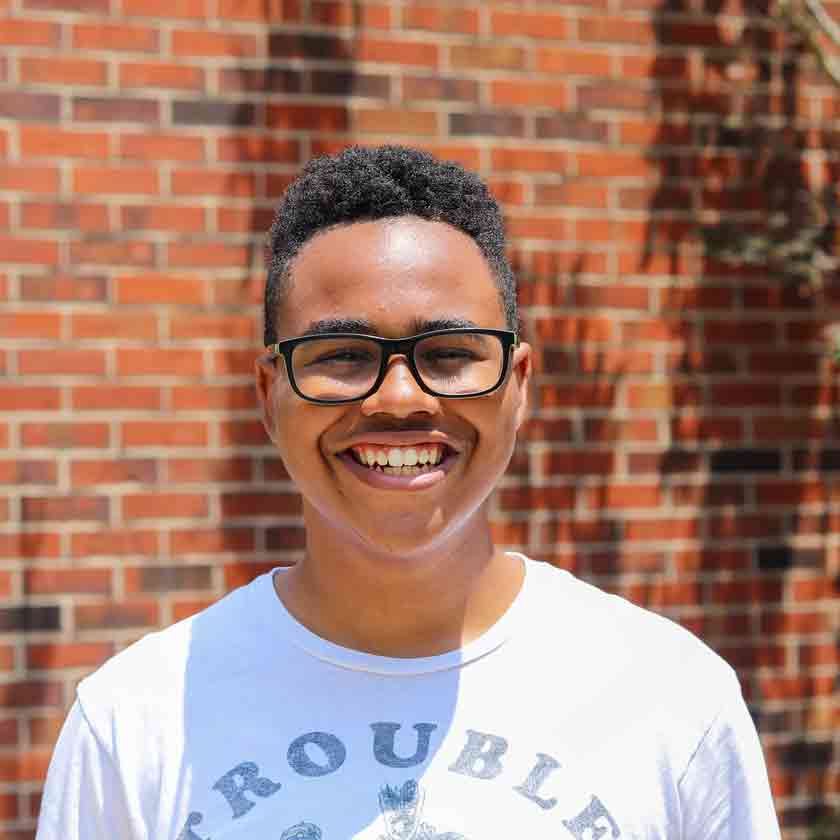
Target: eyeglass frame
395	347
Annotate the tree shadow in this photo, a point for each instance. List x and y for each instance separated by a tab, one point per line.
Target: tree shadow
759	435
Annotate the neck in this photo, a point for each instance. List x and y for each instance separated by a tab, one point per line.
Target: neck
406	604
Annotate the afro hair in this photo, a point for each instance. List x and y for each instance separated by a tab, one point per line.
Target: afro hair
365	184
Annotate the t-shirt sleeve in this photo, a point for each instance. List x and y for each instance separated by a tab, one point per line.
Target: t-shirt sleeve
83	796
724	791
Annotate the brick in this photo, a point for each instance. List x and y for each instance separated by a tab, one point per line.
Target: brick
245	504
213	112
165	506
309	45
230	184
125	542
89	218
202	42
234	327
494	123
30	693
28	33
116	615
124	110
524	159
115	398
28	472
123	471
328	118
573	62
487	57
57	581
63	71
242	433
28	618
615	96
260	10
441	19
67	362
262	148
64	288
112	253
169	217
270	79
38	107
25	324
89	6
396	121
598	395
29	545
24	767
114	37
166	578
440	88
161	288
103	325
209	397
29	179
47	657
185	9
617	30
212	541
161	75
164	433
209	255
413	53
614	165
154	147
115	180
529	93
209	470
530	24
623	496
65	435
151	362
572	194
251	220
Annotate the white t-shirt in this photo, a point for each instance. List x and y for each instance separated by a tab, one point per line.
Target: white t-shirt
577	716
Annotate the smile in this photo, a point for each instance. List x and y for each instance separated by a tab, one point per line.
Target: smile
400	467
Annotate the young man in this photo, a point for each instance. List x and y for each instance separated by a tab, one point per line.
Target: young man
407	679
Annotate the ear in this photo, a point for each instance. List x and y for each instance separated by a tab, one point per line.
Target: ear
522	367
266	375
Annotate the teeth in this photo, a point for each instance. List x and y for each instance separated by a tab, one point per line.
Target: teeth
399	461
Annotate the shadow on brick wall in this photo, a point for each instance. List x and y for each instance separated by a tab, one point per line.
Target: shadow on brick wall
755	394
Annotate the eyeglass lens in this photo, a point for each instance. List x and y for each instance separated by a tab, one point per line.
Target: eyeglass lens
458	364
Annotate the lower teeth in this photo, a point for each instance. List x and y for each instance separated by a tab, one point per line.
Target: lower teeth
401	470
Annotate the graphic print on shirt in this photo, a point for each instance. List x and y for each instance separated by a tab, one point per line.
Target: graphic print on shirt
483	757
402	812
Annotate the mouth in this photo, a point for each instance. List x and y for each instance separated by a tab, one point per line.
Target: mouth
400	467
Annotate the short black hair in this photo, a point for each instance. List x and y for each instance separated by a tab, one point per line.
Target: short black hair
365	184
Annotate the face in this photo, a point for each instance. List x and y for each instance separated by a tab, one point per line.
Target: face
398	277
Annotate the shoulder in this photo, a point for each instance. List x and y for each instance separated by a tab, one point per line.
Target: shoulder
155	672
625	637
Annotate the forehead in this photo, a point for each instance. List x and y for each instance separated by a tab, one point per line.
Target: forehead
390	272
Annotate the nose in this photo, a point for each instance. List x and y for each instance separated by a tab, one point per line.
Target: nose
400	394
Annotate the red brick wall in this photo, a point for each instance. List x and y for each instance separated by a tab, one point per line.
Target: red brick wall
684	445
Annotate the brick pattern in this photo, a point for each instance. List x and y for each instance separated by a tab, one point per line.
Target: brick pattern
683	449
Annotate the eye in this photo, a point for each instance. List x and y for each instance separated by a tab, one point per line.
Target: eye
343	355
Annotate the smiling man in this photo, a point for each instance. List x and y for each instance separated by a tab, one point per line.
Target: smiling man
407	678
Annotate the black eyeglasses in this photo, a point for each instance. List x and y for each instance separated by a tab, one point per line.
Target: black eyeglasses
334	368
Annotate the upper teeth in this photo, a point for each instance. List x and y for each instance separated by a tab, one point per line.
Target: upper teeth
402	456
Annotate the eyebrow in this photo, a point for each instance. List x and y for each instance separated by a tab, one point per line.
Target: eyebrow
365	327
